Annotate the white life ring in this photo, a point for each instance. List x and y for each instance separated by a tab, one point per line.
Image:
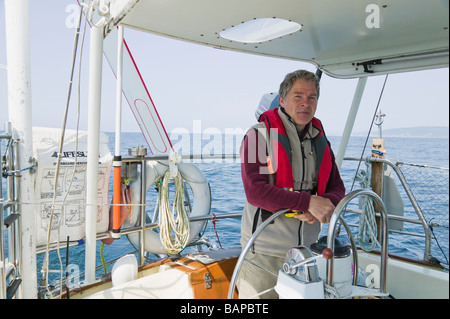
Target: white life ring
201	192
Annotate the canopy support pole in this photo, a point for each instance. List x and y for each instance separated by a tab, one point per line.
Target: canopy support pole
351	120
117	163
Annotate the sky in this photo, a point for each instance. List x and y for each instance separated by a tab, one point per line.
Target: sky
189	82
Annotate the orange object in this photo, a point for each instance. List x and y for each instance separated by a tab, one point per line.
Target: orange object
270	166
125	210
116	199
209	281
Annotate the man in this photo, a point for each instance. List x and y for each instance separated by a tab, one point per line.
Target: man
287	163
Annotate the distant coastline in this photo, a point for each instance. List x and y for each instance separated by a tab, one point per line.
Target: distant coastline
412	132
419	132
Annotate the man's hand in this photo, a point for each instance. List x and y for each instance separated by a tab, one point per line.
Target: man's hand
306	217
321	208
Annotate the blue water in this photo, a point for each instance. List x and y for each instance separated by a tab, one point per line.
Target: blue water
228	193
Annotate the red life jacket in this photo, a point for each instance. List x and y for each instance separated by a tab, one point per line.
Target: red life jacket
283	176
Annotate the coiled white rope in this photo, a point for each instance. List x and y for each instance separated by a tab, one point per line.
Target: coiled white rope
173	223
367	235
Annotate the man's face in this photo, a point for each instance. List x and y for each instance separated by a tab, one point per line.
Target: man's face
301	102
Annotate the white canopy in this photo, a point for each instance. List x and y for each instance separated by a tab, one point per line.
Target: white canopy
344	38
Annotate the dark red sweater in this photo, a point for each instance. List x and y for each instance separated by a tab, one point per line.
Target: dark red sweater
262	194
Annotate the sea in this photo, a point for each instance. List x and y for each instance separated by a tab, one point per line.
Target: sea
228	197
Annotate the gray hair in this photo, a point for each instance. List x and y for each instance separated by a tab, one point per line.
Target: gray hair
289	80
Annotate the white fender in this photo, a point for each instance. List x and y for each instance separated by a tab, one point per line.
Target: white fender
201	206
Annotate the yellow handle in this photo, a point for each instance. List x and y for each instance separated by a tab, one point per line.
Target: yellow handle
291	214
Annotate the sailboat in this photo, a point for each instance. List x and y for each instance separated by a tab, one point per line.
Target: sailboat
57	182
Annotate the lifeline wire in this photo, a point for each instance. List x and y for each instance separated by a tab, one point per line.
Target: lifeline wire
370	129
63	128
368	134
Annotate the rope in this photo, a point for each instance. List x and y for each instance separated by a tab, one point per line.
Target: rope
367	235
6	173
330	291
7	147
174	231
45	263
214	221
10	173
104	262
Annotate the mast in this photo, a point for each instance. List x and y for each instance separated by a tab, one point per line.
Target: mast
20	114
94	103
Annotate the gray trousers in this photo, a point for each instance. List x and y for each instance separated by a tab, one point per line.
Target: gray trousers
253	280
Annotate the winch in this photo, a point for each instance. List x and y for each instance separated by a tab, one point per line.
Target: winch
304	271
300	277
342	274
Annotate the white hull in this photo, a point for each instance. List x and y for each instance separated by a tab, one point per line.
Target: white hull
174	280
